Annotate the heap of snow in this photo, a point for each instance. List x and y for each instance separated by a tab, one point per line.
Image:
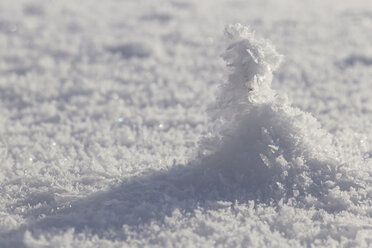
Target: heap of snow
276	151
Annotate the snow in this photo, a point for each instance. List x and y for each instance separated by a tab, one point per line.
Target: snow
134	124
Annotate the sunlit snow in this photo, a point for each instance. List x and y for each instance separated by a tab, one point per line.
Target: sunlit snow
170	124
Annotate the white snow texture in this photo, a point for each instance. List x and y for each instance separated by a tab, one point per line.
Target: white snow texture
111	134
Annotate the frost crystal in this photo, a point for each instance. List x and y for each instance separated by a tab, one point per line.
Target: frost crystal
259	139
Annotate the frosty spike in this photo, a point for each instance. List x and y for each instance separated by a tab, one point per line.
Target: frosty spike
259	140
252	61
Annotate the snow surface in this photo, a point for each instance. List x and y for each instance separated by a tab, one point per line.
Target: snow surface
142	123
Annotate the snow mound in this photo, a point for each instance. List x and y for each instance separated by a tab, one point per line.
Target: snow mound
259	141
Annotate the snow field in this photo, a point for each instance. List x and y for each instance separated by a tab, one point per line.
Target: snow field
111	136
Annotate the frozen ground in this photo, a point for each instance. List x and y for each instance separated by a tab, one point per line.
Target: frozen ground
106	141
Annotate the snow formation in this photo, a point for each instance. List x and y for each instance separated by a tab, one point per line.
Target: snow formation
103	106
278	151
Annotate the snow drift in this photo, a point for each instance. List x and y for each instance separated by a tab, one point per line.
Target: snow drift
276	151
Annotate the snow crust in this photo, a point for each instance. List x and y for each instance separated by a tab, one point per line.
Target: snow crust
121	126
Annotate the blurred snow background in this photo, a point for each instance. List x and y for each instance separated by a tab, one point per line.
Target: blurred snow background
103	104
